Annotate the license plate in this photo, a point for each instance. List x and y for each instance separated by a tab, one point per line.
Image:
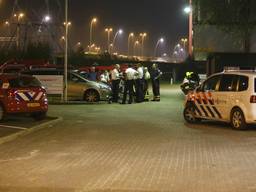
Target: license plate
33	104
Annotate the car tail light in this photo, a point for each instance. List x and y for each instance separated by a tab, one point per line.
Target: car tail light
253	99
11	94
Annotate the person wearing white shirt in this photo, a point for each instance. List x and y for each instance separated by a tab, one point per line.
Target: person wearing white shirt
140	84
130	75
104	77
115	77
146	81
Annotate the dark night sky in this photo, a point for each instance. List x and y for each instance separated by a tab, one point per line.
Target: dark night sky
157	18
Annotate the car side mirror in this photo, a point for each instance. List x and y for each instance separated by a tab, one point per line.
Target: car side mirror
199	88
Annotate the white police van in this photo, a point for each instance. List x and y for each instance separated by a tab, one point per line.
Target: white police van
229	96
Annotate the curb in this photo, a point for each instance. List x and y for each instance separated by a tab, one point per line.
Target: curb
29	130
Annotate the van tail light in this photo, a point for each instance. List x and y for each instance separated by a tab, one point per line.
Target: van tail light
253	99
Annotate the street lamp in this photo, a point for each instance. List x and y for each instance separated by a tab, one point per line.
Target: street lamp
46	19
65	90
136	43
143	36
131	35
19	17
189	10
93	21
108	30
119	32
161	40
184	41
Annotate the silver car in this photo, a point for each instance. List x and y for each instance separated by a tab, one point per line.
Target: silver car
79	88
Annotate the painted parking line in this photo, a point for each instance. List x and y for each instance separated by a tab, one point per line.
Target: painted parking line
12	127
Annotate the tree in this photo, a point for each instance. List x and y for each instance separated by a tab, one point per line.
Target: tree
236	17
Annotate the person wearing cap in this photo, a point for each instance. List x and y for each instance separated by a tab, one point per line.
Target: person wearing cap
115	77
130	74
155	76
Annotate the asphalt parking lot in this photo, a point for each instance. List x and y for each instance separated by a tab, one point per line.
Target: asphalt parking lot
139	147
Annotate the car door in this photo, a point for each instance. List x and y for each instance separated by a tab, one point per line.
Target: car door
76	87
226	94
206	98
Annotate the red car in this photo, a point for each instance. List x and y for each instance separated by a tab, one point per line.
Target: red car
22	94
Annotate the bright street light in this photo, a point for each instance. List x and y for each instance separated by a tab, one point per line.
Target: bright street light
46	19
119	32
108	30
131	36
93	21
189	10
143	36
136	43
161	40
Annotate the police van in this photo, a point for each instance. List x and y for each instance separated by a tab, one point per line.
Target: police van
229	96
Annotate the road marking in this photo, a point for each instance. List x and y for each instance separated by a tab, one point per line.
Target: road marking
13	127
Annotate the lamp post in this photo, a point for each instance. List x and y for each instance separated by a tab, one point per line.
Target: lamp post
108	30
189	10
136	43
65	90
184	41
131	35
143	36
119	32
19	17
161	40
93	21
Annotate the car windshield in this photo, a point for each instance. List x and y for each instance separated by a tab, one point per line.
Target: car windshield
79	77
24	82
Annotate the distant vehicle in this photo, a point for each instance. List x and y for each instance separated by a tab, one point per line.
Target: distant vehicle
229	96
22	94
79	88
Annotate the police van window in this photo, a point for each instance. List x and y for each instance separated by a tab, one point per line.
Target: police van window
24	82
211	84
227	83
243	83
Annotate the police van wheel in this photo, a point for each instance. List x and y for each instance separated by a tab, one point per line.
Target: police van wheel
2	113
189	114
91	96
237	119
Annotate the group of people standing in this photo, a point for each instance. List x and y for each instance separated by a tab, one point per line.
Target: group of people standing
135	83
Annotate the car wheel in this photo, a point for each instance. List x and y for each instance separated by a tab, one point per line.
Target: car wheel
237	119
91	96
39	116
189	114
2	113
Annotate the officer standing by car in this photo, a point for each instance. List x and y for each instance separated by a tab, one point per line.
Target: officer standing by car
155	75
140	84
130	74
146	82
115	77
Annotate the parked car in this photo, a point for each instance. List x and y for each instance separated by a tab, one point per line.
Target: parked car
229	96
79	88
22	94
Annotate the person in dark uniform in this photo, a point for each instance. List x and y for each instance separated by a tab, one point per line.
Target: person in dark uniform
155	75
